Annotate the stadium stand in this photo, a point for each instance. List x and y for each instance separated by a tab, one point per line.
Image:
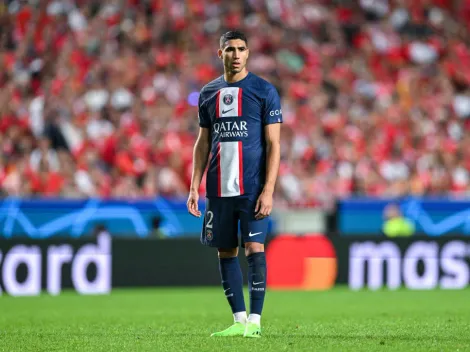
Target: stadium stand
100	98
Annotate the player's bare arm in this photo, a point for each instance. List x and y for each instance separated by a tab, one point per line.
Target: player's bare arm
200	158
264	204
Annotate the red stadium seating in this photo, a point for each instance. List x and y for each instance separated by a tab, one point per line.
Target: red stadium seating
99	100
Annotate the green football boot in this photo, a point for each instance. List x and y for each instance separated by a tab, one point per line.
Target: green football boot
252	330
237	329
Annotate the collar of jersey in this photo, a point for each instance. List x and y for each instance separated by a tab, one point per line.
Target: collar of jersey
237	82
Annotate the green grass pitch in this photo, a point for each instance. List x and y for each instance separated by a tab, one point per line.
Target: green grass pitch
182	320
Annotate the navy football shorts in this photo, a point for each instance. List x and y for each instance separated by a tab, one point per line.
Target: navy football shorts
221	219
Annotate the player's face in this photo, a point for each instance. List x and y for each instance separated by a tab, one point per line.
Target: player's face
234	55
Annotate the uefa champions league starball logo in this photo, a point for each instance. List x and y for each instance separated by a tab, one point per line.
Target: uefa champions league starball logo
228	99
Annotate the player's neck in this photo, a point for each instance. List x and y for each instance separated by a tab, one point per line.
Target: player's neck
233	78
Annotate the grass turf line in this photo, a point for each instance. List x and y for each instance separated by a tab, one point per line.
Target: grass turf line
182	320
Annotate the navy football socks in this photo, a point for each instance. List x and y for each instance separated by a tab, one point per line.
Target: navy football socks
232	281
256	281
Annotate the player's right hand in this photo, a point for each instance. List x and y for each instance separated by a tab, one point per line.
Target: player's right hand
192	204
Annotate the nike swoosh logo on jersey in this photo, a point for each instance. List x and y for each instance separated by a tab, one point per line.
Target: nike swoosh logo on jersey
226	111
253	234
258	283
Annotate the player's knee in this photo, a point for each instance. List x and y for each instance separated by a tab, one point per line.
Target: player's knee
228	252
253	247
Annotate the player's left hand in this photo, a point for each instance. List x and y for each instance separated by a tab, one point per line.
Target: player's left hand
264	205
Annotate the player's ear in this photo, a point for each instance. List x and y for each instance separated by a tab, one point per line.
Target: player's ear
219	53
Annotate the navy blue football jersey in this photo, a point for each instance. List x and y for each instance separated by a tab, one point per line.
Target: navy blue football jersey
236	114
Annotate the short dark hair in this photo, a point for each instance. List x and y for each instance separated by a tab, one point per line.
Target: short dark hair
232	35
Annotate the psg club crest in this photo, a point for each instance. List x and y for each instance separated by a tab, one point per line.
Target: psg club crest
209	235
228	99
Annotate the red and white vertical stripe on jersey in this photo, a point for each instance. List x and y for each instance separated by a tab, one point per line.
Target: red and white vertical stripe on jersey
230	169
217	105
229	102
219	172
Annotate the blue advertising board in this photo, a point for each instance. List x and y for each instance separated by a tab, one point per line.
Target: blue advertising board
430	216
45	218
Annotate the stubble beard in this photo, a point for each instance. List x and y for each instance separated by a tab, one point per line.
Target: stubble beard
233	70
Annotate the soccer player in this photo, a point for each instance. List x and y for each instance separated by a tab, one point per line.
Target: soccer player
239	119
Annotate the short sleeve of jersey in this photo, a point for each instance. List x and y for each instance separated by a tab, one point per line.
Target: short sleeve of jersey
204	120
272	107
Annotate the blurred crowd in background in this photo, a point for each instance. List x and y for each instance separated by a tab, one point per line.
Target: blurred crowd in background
99	98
